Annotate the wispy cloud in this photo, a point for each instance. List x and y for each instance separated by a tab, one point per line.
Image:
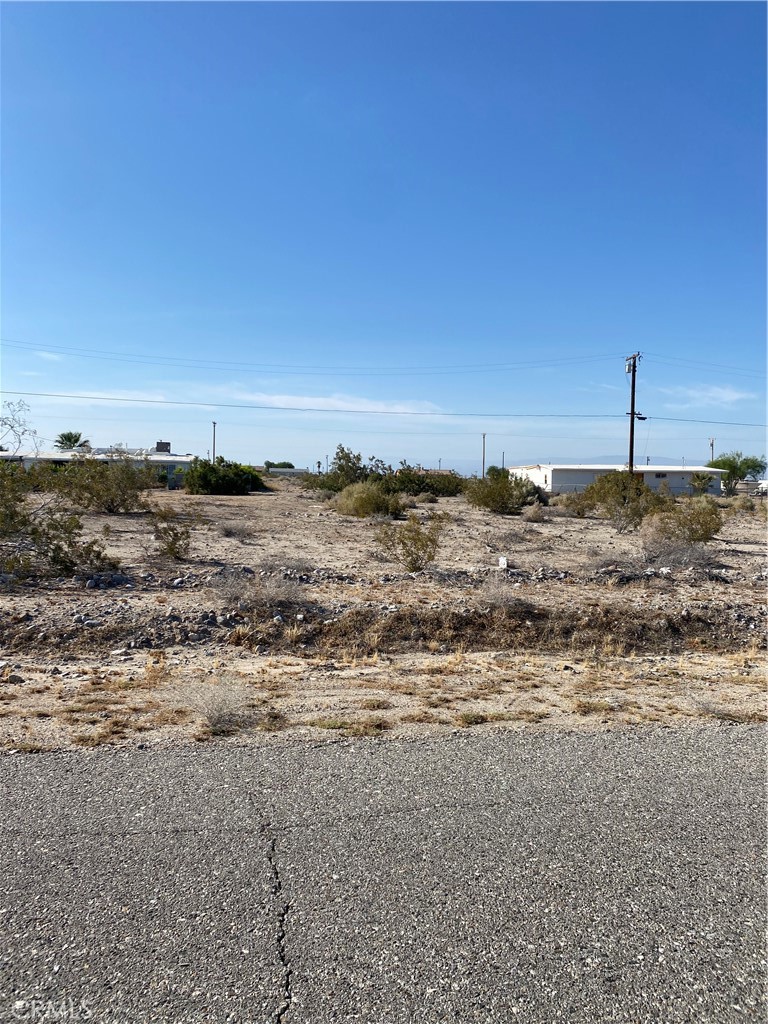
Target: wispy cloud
593	388
705	395
332	403
50	357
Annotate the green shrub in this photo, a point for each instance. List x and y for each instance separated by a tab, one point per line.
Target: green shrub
221	477
172	534
411	480
413	544
57	539
37	530
743	503
367	499
113	486
347	467
506	495
692	520
621	497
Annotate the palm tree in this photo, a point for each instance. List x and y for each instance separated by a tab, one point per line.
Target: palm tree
700	482
68	440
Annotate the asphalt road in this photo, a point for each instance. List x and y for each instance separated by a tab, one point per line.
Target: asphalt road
476	878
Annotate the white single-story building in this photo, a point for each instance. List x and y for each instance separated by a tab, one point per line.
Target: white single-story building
160	457
560	479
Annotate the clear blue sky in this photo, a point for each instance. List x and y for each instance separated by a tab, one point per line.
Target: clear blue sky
395	208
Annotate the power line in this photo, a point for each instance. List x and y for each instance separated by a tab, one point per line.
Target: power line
658	438
686	363
370	412
285	369
293	408
325	370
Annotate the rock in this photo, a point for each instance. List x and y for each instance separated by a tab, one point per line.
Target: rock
277	619
15	679
91	584
91	622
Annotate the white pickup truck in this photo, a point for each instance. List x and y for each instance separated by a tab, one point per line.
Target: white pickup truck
761	491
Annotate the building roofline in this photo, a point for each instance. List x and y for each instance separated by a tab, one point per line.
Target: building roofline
653	468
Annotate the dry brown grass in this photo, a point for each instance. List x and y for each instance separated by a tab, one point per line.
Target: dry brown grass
376	704
371	726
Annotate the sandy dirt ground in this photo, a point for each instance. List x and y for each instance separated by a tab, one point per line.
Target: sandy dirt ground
286	623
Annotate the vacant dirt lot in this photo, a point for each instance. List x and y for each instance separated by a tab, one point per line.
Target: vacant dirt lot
286	619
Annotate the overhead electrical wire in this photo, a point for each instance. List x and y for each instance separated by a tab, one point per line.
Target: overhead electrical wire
324	370
285	369
371	412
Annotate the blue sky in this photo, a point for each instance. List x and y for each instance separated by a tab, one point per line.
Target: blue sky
428	221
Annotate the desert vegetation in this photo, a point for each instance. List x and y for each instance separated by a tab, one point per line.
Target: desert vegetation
152	616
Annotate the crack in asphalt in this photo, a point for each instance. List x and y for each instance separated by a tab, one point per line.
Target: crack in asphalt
284	908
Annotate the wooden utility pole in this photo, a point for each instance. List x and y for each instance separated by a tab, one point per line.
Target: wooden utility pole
214	441
631	368
483	456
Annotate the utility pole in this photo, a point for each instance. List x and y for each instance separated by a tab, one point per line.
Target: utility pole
214	441
439	463
711	449
631	368
502	460
483	456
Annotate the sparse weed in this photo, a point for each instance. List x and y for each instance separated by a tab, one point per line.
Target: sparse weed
372	726
587	706
376	704
272	721
470	718
414	544
172	533
236	531
534	513
532	715
335	724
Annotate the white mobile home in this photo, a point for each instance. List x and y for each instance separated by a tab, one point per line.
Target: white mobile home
160	457
562	479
